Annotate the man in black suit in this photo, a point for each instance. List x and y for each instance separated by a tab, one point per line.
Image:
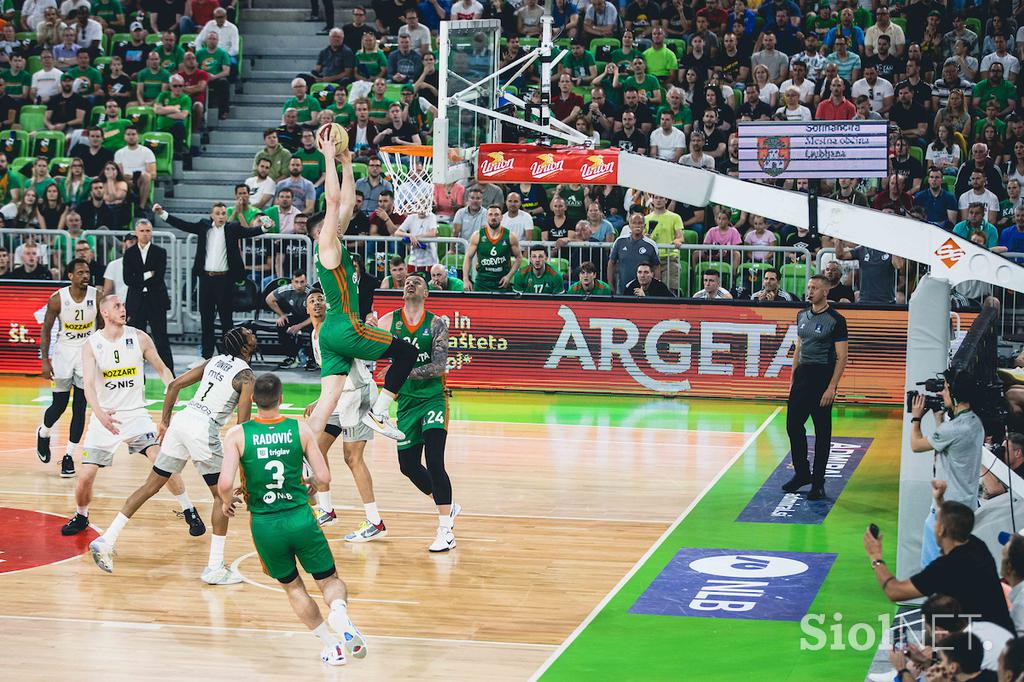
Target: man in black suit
148	301
218	265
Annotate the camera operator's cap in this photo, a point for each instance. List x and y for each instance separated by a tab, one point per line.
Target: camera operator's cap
129	236
408	88
66	76
137	26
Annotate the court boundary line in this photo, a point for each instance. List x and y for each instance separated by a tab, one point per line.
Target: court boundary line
288	633
647	555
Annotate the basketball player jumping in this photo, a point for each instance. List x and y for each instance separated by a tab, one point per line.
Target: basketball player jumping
113	364
225	381
343	336
356	398
75	306
269	450
423	405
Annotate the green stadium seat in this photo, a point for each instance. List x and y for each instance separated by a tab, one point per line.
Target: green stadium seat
359	170
599	46
527	43
48	143
393	92
454	260
677	45
25	35
101	63
690	236
14	143
141	118
22	164
153	39
751	273
120	38
162	145
59	166
34	63
560	265
444	230
32	117
187	38
901	22
974	24
916	153
949	183
794	279
684	278
94	115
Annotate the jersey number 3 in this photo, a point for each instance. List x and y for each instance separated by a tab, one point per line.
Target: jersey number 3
276	469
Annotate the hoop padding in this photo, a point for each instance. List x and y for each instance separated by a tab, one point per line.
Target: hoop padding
410	172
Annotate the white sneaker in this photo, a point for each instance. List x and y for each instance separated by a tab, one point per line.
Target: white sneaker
333	655
368	531
456	510
351	638
381	423
103	554
222	575
444	541
326	518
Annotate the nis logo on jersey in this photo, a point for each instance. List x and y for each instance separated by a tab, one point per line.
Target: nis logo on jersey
120	377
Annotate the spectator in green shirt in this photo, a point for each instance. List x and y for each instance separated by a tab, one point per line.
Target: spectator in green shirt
17	80
10	183
313	166
589	284
344	114
379	104
682	115
441	280
579	64
83	69
625	55
538	277
110	14
150	82
304	105
997	88
112	126
370	60
242	208
172	109
169	52
216	62
661	61
646	84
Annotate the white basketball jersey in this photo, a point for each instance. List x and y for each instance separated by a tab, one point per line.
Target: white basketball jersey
77	320
358	375
120	383
216	398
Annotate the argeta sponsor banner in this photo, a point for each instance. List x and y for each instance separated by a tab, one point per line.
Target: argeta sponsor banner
19	345
813	149
531	163
671	348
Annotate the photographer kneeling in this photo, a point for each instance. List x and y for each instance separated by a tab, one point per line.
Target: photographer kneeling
957	442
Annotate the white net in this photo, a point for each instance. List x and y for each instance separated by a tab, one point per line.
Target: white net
411	177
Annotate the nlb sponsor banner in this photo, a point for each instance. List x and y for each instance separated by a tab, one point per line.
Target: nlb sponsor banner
771	505
813	149
19	344
730	583
530	163
673	348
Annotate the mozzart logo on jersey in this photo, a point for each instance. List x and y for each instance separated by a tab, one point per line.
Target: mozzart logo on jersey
731	583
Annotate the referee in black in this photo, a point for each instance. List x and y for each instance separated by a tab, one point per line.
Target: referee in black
818	364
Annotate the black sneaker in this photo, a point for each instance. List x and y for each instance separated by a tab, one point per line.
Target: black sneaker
311	366
796	483
196	527
67	466
76	525
817	492
43	448
288	363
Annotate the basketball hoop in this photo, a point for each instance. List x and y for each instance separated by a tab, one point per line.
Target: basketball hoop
409	167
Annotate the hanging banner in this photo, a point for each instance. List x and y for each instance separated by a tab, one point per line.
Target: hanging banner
779	150
533	163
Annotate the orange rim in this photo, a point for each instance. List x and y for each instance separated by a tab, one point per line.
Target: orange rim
410	150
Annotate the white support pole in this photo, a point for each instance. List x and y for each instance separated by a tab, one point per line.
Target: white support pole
545	72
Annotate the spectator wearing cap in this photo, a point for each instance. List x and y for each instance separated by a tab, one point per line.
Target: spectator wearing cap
336	62
275	153
300	100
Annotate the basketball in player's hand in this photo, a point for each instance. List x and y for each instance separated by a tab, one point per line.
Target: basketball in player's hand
333	132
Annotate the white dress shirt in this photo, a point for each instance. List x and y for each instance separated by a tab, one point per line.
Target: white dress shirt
216	250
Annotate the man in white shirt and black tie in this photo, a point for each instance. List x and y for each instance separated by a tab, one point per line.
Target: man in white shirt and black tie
148	301
218	265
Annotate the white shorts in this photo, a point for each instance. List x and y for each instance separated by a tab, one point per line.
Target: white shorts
191	437
67	368
136	430
353	404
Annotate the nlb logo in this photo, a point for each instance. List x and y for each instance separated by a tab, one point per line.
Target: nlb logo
748	566
950	253
496	164
596	168
545	166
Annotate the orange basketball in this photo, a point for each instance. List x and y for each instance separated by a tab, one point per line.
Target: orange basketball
333	132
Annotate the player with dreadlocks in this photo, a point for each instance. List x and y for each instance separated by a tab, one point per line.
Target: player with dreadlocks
225	381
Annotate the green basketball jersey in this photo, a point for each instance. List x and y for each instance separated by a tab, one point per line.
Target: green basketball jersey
526	281
600	289
340	285
271	466
421	337
493	258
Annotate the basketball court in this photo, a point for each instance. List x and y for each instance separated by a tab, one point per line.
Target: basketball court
567	501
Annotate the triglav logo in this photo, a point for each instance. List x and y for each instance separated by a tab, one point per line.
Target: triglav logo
496	164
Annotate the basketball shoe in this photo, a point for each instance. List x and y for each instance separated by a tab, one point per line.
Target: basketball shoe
381	423
368	531
333	655
103	554
352	639
326	518
444	541
222	575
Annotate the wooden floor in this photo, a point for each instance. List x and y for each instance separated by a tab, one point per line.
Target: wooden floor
553	516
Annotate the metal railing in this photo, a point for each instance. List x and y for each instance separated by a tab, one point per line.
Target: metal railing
277	256
56	247
375	252
906	279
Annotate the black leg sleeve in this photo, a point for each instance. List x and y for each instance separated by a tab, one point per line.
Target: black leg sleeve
403	356
78	405
413	469
434	441
56	408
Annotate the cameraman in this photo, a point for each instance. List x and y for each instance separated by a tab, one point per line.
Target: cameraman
957	443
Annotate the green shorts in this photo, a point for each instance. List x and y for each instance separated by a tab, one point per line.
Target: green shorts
416	415
281	537
343	338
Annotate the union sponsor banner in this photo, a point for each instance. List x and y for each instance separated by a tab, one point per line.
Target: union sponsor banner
19	343
672	348
531	163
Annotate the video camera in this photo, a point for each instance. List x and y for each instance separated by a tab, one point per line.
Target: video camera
933	402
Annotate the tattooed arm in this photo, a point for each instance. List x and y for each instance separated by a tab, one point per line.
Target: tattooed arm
243	383
438	353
